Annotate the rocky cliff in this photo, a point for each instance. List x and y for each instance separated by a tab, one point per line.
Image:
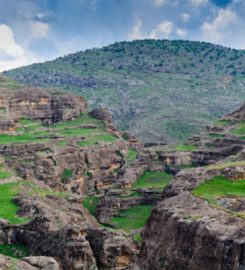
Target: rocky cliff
78	194
54	153
199	223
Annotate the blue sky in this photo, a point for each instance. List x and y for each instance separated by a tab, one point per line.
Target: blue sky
39	30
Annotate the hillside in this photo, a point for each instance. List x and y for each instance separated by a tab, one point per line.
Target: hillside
158	90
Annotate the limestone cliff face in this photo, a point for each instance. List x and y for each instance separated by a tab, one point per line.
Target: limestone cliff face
93	168
80	155
188	232
29	263
185	232
38	104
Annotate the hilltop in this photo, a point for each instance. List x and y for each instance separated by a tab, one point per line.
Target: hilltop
159	90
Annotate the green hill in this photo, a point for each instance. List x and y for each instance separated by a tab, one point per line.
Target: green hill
157	89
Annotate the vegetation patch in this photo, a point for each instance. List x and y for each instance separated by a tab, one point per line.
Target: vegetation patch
34	190
91	202
157	180
92	140
83	126
25	138
14	250
218	187
84	119
4	174
132	218
67	175
239	129
138	238
185	148
132	155
9	209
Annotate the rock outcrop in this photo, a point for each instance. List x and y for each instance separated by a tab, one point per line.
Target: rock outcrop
185	232
31	103
82	155
190	232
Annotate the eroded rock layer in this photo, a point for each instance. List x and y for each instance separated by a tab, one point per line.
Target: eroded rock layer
76	192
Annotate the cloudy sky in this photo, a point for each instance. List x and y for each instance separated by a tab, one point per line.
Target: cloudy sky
39	30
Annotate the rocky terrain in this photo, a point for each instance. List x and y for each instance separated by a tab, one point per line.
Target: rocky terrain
160	90
199	223
54	153
76	193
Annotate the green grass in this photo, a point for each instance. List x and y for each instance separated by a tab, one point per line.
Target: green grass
239	129
216	135
185	148
219	186
72	132
90	202
34	190
29	122
138	238
132	155
61	143
106	138
79	121
33	131
133	218
4	174
14	250
8	209
25	138
152	180
67	175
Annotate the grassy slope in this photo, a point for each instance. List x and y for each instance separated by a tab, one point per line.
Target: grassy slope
8	209
154	180
157	89
33	131
133	218
220	186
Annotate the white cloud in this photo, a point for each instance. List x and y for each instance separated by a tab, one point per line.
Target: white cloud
10	49
8	44
163	30
214	31
198	3
12	55
185	17
39	30
181	32
136	31
159	3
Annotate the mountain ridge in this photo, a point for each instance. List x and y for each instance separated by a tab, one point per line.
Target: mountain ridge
159	90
